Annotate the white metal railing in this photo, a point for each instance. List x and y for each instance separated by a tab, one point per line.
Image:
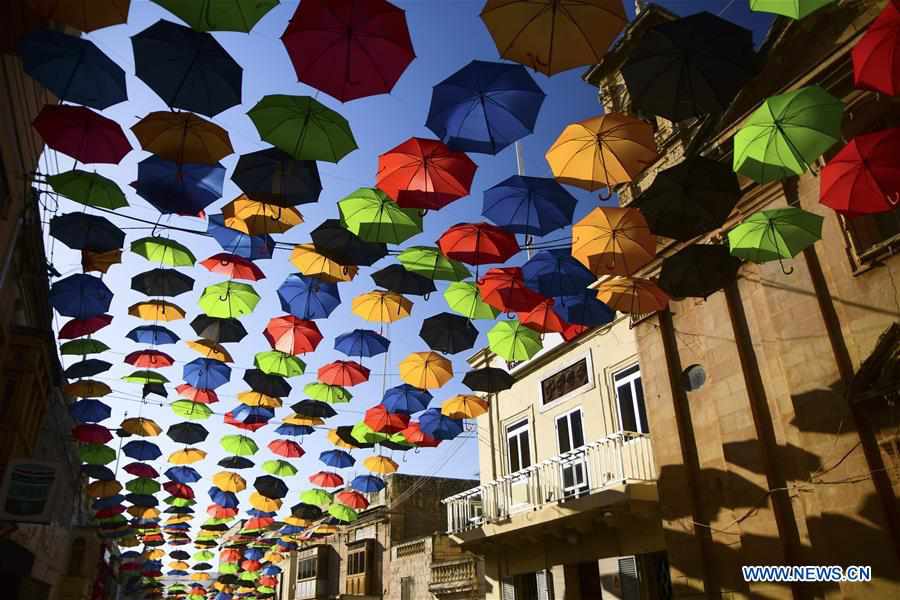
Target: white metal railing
618	458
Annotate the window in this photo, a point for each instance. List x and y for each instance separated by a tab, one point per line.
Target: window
630	397
519	449
356	561
308	568
869	232
566	381
407	588
569	432
569	436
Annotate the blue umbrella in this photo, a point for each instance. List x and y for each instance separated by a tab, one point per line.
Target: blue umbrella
294	430
271	570
337	458
86	368
308	297
224	596
73	68
438	425
176	573
182	474
108	502
255	512
226	499
254	553
182	189
367	484
288	530
257	414
81	231
529	205
286	546
144	500
81	296
100	472
251	247
361	342
206	373
584	309
155	335
484	107
406	398
89	410
141	450
556	273
188	69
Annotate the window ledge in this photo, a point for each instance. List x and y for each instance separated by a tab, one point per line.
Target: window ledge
871	257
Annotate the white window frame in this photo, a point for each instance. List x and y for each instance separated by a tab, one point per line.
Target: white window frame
589	365
581	487
616	383
514	429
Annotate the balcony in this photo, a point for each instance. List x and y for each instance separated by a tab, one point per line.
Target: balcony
597	474
454	577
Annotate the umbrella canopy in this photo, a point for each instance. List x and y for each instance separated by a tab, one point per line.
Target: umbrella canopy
257	218
513	341
542	318
396	278
874	67
775	234
182	189
82	347
232	266
426	370
308	297
439	426
529	205
239	445
91	434
78	327
785	135
425	174
316	497
228	300
96	454
478	243
380	464
270	487
504	289
326	479
187	433
206	373
162	282
632	295
100	261
863	178
187	456
182	137
141	450
464	406
303	127
270	385
354	500
81	16
484	107
584	309
698	271
156	310
464	298
235	241
311	263
141	426
430	262
556	273
374	217
90	189
286	448
81	296
275	362
795	9
361	343
381	307
613	241
188	69
273	176
87	388
89	411
345	373
333	240
163	251
380	420
488	379
406	398
279	467
219	15
251	398
338	459
448	333
82	134
313	409
349	49
367	484
81	231
149	359
292	335
194	411
222	331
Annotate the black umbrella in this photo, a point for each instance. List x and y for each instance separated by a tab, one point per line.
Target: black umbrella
223	331
179	555
690	67
81	231
344	247
345	434
310	512
313	408
162	282
698	271
216	527
397	279
236	462
87	368
228	579
270	487
154	388
270	385
179	510
98	472
188	69
488	379
144	500
206	543
187	433
449	333
690	199
202	566
395	446
275	177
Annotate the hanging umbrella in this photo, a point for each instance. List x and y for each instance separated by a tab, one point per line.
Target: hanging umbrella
395	278
144	377
775	234
374	217
82	134
543	318
143	485
326	479
381	421
73	69
87	389
292	335
448	333
219	15
163	251
270	487
286	448
222	331
100	261
863	178
83	16
873	64
182	189
785	135
312	264
235	462
233	241
91	434
273	176
478	243
154	388
556	273
79	327
632	295
464	298
361	343
504	289
104	474
414	435
162	282
406	398
424	174
228	300
82	347
270	385
81	231
279	363
484	107
182	137
96	454
333	240
529	205
488	379
464	407
614	241
513	341
313	409
584	309
349	49
342	438
795	9
156	310
141	426
302	127
380	464
352	499
439	426
337	459
362	434
239	445
426	370
187	433
89	411
88	188
308	297
81	296
332	394
103	489
381	307
316	497
232	266
257	218
187	456
698	271
279	467
186	68
193	411
344	373
251	398
206	373
155	335
141	450
367	484
430	262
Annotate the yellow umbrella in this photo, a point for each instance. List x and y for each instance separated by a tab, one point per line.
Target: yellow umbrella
602	152
308	421
337	441
258	218
179	565
100	261
296	521
260	502
632	295
178	519
380	464
229	481
312	264
210	349
464	406
188	456
103	489
251	398
381	306
613	241
199	576
155	554
143	512
426	370
273	557
156	310
87	388
141	426
182	137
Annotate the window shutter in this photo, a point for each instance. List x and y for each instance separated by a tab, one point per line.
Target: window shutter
544	585
507	589
628	575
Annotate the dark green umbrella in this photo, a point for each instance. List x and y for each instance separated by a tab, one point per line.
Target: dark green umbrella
219	15
303	127
87	188
82	346
428	261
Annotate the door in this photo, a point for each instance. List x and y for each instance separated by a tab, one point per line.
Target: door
518	453
589	581
570	436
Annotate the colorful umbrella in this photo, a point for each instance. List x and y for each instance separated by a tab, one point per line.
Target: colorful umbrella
145	377
187	456
632	295
333	240
352	499
361	343
86	368
163	251
874	67
270	385
448	333
316	497
367	484
87	389
273	176
162	282
303	127
380	420
228	300
380	464
414	435
156	310
256	218
232	266
197	394
313	409
374	217
229	481
82	134
279	467
81	231
270	487
381	307
82	347
326	479
206	373
234	241
430	262
183	189
542	318
337	459
406	398
91	433
182	137
332	394
439	426
395	278
81	296
187	433
141	450
344	373
698	271
478	243
424	174
239	445
584	309
504	289
275	362
464	407
513	341
292	335
78	327
308	297
556	273
312	264
529	205
194	411
96	454
613	241
426	370
864	177
464	298
222	331
219	15
88	188
795	9
89	410
100	261
775	234
141	426
286	448
251	398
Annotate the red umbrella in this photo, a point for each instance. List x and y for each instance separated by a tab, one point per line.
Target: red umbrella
81	133
876	57
200	395
91	434
349	49
179	490
230	420
76	328
504	289
234	267
352	499
864	177
255	523
542	318
573	330
140	470
217	511
286	448
478	243
268	580
382	421
230	555
414	435
344	373
292	335
426	174
149	359
326	479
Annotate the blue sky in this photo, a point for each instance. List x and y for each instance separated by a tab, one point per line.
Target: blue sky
446	35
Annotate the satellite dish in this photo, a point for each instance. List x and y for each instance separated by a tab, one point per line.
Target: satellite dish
693	378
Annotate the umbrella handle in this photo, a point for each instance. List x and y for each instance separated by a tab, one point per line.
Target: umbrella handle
605	195
894	198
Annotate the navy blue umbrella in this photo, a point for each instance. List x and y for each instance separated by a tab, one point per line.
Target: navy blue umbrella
251	247
206	373
155	335
81	296
183	474
438	425
406	398
144	500
86	368
308	297
361	342
529	205
584	309
338	459
225	499
367	484
81	231
484	107
275	177
294	430
141	450
182	189
556	273
108	502
98	472
89	410
186	68
73	68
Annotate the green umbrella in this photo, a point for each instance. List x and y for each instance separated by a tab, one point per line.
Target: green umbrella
264	589
316	497
775	234
239	445
96	454
785	135
428	261
228	300
249	575
179	502
202	555
464	298
87	188
82	347
513	341
399	439
275	362
303	127
219	15
374	217
795	9
343	513
143	485
194	411
333	394
163	251
282	468
228	568
145	377
364	434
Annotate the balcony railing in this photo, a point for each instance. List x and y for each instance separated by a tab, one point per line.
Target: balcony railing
614	460
454	577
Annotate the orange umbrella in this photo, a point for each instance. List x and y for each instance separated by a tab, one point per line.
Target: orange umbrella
426	370
311	263
210	349
258	218
632	295
252	398
381	306
602	152
100	261
343	373
156	310
182	137
542	318
464	406
83	16
613	241
187	456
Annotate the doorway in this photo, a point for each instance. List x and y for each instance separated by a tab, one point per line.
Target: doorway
589	581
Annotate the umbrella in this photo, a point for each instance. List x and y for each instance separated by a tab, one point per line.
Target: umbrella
439	426
354	500
311	263
88	188
464	298
343	373
689	67
81	296
424	174
275	362
698	271
795	9
103	489
222	331
543	318
529	205
187	433
381	307
78	327
488	379
326	479
179	188
448	333
145	377
223	498
162	282
104	474
154	388
332	394
232	266
406	398
228	300
478	243
349	49
292	335
367	484
513	341
873	64
81	16
316	497
556	273
100	261
380	420
155	335
194	411
182	137
140	470
82	134
374	217
234	241
286	448
187	456
251	398
219	15
86	389
294	430
308	297
270	487
270	385
96	454
186	68
430	262
306	511
141	450
163	251
361	342
141	426
156	310
91	434
257	218
313	409
775	234
484	107
396	278
81	231
235	462
273	176
380	464
863	178
206	373
239	445
426	370
785	135
632	295
82	347
333	240
337	459
614	241
142	485
504	289
414	435
73	68
279	467
302	127
584	309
